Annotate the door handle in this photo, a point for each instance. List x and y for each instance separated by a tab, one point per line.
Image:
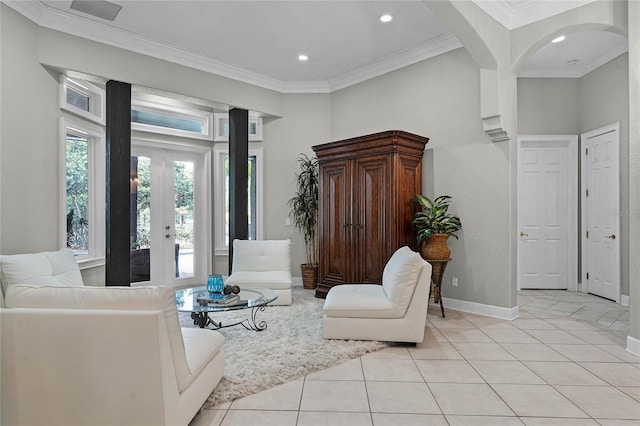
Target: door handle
522	234
611	237
167	235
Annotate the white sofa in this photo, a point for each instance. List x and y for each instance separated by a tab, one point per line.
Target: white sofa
395	311
76	355
263	264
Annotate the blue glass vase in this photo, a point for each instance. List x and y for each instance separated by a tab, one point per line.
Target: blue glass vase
215	285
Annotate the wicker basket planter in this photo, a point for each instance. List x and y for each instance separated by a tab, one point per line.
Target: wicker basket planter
435	247
309	276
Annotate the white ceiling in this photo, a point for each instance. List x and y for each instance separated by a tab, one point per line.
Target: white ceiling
258	42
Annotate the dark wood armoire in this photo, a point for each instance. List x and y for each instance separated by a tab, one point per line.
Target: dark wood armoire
367	185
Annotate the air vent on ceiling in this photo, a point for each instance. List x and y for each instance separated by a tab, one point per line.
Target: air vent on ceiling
99	8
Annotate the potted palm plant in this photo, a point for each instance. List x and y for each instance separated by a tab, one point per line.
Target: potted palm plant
304	212
434	226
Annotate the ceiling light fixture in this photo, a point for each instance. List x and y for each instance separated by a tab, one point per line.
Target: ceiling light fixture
558	39
572	62
303	58
386	18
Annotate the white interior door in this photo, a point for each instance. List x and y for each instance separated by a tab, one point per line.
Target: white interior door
168	240
601	212
547	212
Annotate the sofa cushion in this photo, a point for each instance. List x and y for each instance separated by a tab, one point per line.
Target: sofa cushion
201	346
112	298
360	301
261	255
275	280
46	268
400	276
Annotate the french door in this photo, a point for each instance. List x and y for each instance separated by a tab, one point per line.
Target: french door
168	216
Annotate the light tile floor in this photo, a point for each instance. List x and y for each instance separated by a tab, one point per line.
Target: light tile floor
562	362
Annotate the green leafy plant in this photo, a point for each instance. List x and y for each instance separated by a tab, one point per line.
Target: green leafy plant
433	217
304	205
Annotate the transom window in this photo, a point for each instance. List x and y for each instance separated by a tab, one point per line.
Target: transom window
83	99
157	117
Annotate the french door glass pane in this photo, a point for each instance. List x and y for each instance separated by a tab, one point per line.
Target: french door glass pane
77	180
140	231
184	210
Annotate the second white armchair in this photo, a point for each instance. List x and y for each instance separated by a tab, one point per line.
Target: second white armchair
263	264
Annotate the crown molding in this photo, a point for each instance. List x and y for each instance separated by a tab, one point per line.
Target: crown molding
100	32
433	47
97	31
578	72
514	14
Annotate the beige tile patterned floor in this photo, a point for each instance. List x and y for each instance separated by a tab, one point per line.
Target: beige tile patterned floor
561	363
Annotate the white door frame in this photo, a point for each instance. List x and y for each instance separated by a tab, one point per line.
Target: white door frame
571	141
614	127
203	241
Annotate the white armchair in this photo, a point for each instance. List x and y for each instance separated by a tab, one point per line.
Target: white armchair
395	311
263	264
76	355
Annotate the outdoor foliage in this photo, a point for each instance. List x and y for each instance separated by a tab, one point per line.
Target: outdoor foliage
77	201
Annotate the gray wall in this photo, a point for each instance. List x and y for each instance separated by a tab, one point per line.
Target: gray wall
548	106
576	106
634	177
29	167
439	99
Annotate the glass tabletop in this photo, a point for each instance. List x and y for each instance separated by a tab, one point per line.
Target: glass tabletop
187	300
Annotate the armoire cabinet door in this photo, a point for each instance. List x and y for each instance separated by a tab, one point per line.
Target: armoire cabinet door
372	201
336	252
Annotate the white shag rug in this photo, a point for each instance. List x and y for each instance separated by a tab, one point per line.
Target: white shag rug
290	347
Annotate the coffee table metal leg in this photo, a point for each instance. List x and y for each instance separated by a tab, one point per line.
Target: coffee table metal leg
251	324
202	320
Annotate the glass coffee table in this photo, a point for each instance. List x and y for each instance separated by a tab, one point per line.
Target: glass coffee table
256	300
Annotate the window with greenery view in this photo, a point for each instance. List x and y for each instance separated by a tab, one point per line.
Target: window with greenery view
77	200
254	189
83	189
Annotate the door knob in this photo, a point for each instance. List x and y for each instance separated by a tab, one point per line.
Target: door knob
611	237
167	227
167	235
522	234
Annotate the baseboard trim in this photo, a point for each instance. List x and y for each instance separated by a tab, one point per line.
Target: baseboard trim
624	300
480	309
633	346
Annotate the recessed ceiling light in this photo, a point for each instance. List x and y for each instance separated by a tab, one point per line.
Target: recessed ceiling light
386	18
558	39
303	58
